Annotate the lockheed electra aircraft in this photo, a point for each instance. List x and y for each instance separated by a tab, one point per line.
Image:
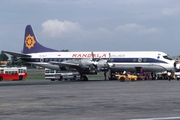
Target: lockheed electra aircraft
91	62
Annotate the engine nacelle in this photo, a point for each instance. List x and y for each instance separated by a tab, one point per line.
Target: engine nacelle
103	65
85	63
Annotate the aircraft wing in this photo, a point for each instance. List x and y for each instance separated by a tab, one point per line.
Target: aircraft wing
16	54
65	64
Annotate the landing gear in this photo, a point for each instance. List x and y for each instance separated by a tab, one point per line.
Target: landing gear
112	75
20	77
1	78
122	79
84	78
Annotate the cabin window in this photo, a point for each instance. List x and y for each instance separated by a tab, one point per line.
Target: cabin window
167	57
145	60
46	60
37	60
51	71
140	60
1	71
134	60
46	71
41	60
111	60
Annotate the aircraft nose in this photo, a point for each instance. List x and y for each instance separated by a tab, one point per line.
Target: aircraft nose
171	66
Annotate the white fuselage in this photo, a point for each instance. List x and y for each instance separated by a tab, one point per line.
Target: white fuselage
126	60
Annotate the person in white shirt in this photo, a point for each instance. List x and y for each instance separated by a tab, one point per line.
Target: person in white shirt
169	76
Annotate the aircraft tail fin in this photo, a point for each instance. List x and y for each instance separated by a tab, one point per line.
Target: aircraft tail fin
31	44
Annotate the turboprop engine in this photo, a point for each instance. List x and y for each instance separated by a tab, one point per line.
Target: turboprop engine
102	65
85	63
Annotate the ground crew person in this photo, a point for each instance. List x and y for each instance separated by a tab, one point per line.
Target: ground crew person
169	76
105	75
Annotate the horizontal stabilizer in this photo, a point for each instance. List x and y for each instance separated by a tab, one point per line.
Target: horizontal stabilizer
16	54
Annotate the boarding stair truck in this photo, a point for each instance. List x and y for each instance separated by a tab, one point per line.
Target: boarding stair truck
61	75
177	70
177	75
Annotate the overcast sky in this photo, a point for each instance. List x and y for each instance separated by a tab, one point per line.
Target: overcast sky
93	25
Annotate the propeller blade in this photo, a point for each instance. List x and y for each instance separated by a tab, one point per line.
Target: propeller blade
92	56
109	57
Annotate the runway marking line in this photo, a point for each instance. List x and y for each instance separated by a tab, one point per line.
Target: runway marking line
4	105
164	118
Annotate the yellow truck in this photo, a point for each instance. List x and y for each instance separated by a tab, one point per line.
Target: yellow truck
124	77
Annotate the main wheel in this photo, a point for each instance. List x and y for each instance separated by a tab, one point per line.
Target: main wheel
1	78
122	79
60	78
84	78
74	78
20	77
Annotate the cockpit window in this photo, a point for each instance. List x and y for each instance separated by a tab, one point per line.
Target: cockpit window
167	57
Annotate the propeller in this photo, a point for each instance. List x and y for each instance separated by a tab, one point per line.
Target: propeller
109	57
101	64
94	62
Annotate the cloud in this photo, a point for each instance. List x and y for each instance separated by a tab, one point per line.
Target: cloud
171	12
72	32
133	28
56	28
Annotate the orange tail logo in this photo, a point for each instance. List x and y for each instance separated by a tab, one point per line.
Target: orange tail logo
30	41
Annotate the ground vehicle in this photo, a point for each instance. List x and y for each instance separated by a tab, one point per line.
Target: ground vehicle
177	75
13	73
142	77
61	75
124	77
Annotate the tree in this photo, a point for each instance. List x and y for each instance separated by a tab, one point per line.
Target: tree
18	62
3	57
14	60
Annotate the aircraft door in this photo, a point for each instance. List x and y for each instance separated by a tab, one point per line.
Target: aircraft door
158	58
139	70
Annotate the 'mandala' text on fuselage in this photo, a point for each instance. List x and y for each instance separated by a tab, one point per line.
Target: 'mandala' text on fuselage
88	55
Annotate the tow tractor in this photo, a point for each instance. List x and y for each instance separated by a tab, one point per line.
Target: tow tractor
124	77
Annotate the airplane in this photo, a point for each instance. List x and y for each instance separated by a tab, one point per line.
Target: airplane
91	62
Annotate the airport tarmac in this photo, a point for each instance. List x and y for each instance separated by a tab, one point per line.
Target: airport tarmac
90	100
